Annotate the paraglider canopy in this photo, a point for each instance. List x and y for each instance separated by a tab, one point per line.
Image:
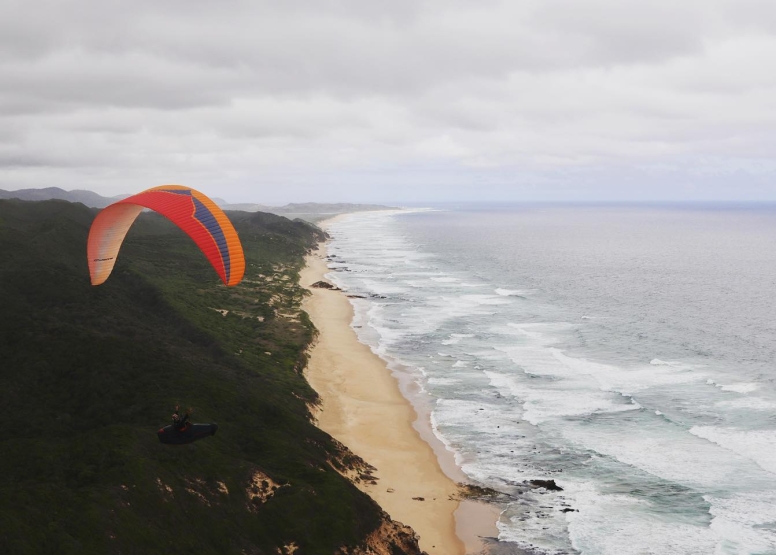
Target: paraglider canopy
192	211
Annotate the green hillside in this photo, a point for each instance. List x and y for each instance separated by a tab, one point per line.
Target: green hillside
88	374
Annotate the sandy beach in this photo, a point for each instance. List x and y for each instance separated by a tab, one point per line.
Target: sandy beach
363	407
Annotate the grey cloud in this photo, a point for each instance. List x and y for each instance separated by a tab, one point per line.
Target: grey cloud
351	46
243	94
71	79
627	32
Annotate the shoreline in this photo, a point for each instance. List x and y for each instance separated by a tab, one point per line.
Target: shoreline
369	408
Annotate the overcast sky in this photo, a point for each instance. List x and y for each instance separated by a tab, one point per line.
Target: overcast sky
393	101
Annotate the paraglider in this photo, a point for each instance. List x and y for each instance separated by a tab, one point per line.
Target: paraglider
182	431
192	211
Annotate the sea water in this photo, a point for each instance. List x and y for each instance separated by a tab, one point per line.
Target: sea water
627	353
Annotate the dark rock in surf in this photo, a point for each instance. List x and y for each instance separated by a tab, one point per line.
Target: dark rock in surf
549	485
325	285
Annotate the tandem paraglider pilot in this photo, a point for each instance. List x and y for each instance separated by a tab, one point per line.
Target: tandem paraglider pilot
183	431
178	422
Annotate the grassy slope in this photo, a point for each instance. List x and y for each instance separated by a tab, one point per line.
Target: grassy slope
88	375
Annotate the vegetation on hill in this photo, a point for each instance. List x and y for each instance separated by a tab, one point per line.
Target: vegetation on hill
89	374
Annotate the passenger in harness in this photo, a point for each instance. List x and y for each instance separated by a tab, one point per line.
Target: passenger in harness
180	422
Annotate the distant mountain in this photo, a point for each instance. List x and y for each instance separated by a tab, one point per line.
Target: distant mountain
309	211
304	208
323	208
245	206
88	198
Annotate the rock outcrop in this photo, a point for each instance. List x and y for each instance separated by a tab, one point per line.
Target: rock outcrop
390	538
325	285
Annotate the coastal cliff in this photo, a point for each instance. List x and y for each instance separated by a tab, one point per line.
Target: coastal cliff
90	373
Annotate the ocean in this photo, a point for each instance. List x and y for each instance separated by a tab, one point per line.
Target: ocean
625	352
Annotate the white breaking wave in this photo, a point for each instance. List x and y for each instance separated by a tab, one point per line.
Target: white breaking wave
511	292
543	403
748	403
593	530
736	387
456	338
745	520
757	445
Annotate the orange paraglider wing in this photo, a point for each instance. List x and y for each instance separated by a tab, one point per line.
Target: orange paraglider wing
190	210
